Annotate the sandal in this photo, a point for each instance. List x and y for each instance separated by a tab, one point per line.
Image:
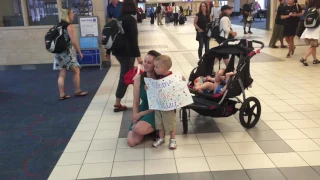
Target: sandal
292	51
284	46
304	62
81	93
118	108
64	97
316	61
288	56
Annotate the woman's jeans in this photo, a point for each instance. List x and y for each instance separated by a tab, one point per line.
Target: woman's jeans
126	63
203	40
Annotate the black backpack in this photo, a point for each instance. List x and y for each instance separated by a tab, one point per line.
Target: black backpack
312	18
54	39
113	35
215	31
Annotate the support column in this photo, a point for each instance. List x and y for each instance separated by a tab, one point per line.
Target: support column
25	14
59	5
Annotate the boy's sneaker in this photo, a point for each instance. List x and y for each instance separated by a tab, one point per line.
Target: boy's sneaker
173	144
158	142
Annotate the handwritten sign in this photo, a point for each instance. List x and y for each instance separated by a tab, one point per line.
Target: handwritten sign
168	93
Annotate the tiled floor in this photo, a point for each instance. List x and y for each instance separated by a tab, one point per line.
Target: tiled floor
285	144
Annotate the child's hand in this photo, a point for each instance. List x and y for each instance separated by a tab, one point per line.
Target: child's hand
183	78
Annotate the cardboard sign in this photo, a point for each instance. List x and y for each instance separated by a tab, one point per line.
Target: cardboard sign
168	93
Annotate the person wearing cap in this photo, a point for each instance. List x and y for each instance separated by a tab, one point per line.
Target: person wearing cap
226	31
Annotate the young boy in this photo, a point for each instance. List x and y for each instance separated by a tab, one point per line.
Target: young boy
165	120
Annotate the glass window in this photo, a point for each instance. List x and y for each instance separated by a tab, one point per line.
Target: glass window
79	7
10	13
42	12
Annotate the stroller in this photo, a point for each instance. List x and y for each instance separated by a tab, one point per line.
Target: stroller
224	105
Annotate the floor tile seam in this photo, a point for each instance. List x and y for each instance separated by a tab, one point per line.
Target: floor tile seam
94	133
87	150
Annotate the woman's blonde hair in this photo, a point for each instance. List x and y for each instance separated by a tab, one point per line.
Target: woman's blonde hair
65	15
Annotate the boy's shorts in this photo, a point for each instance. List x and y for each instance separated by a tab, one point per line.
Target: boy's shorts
165	120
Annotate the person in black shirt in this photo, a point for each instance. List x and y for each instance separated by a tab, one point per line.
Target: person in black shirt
200	23
126	55
290	14
278	28
247	17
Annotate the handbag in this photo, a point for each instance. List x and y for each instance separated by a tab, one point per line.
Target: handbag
132	73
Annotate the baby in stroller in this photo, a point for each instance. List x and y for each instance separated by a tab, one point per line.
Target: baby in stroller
216	84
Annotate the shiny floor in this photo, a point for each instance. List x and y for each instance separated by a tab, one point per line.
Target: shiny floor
284	145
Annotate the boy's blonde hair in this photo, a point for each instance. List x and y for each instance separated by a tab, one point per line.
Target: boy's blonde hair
165	60
65	15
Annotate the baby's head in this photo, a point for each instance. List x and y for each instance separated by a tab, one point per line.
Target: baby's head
162	64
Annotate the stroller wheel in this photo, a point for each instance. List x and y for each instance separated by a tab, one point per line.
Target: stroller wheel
250	112
184	120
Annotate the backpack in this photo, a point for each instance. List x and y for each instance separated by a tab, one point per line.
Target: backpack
113	35
312	18
54	39
215	31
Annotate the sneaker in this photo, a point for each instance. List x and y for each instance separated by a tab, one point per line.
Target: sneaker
158	142
173	144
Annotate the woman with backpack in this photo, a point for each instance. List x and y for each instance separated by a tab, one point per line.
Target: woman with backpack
67	59
201	20
225	30
312	34
126	55
290	14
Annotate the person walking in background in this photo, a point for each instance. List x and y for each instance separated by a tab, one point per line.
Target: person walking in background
114	9
67	59
200	23
151	14
247	17
277	33
126	55
215	12
301	27
291	13
175	10
159	12
226	31
312	36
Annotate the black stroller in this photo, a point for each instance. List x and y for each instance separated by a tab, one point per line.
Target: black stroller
224	105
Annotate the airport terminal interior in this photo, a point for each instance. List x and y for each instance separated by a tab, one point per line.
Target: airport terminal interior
42	137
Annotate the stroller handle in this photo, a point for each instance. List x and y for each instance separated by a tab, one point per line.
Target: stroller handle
259	42
234	40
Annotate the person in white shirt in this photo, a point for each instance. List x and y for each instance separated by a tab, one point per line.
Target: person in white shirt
215	12
175	11
226	31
